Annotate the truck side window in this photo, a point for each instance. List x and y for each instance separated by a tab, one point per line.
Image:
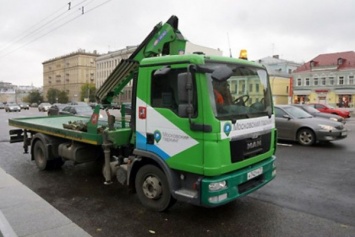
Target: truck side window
164	90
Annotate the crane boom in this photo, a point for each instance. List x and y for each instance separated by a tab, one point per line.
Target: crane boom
164	39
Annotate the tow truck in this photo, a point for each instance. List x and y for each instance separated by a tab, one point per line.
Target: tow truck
178	143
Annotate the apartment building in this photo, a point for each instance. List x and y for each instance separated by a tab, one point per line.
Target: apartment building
69	73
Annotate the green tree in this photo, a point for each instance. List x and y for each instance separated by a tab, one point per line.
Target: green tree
63	97
34	97
57	96
88	91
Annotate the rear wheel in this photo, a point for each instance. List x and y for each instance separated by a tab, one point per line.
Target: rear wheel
39	155
41	159
306	137
153	188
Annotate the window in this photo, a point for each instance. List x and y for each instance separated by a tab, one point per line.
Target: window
164	91
315	81
250	87
307	82
341	81
322	81
256	87
299	82
351	80
331	80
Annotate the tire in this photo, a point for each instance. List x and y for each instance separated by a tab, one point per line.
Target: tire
39	155
41	159
153	188
306	137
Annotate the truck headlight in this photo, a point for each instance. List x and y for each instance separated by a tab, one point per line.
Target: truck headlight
217	186
326	127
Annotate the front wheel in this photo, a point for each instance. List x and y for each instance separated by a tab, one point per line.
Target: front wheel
306	137
153	188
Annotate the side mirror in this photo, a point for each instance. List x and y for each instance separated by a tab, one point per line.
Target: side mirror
185	88
286	116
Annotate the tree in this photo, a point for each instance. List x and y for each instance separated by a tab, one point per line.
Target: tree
34	97
88	91
57	96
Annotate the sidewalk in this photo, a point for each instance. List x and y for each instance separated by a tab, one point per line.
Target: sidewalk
24	213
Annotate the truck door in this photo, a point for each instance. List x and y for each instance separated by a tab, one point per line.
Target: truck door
167	134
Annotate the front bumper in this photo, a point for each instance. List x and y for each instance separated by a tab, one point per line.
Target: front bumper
332	135
239	183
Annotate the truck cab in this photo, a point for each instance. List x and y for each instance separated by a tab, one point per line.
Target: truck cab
198	142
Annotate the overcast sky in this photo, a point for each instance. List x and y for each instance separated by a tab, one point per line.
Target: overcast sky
297	30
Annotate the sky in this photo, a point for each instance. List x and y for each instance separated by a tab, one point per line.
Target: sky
32	32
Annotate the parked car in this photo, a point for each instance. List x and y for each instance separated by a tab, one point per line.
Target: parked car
115	106
12	107
43	107
2	106
316	113
56	108
81	110
24	106
128	108
295	124
331	110
34	105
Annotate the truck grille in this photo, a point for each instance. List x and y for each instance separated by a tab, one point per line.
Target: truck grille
249	147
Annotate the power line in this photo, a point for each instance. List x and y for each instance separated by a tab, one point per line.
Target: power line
39	29
36	29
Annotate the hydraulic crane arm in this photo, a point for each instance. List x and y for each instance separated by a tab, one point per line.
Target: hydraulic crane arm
164	39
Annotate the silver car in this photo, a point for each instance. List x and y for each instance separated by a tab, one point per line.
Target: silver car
295	124
12	107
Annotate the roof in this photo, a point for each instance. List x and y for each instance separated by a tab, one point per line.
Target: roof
330	61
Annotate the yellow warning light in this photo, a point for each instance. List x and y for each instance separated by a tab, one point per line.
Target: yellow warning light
243	54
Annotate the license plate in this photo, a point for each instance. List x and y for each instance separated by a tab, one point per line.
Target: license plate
254	173
344	133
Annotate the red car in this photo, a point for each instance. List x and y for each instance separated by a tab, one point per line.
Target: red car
331	110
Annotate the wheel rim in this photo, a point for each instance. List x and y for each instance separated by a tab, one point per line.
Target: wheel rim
152	187
39	156
306	137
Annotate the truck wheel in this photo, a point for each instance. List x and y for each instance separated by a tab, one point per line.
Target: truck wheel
42	162
153	189
306	137
39	155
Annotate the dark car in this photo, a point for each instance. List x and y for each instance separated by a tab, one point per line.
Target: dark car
24	106
316	113
331	110
81	110
127	107
2	106
55	109
295	124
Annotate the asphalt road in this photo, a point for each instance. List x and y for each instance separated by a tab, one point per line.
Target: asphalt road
312	195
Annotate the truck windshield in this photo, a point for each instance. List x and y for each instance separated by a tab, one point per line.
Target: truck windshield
246	93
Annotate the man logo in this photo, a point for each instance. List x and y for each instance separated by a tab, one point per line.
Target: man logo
254	144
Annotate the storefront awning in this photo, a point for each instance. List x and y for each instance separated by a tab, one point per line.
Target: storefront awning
302	92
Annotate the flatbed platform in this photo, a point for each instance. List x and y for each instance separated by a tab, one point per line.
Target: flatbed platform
53	126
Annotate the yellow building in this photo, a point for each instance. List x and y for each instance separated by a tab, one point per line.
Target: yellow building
69	73
280	72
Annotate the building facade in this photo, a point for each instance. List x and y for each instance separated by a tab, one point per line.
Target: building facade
69	73
280	72
326	79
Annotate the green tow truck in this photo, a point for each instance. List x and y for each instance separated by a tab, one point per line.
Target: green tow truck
182	141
